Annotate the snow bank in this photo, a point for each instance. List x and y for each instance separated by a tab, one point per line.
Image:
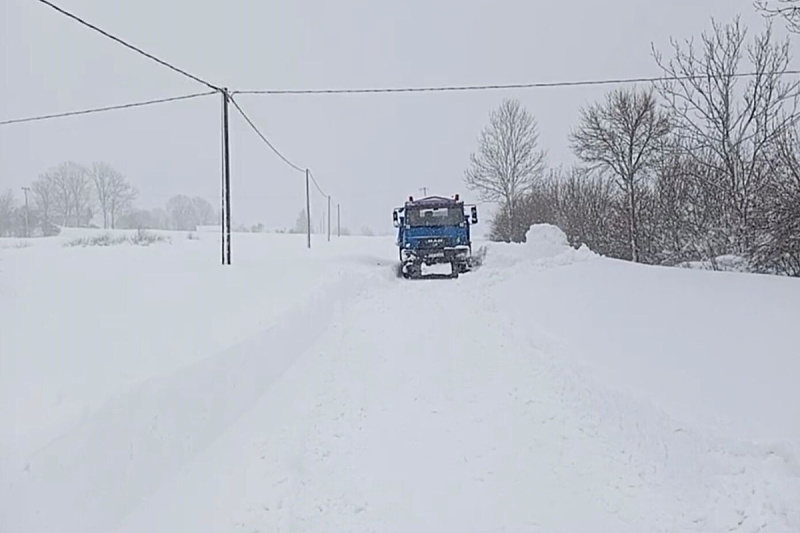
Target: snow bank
548	244
107	352
149	389
545	240
723	263
501	419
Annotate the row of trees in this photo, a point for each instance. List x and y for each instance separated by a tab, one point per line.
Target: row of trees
67	195
71	195
703	165
181	213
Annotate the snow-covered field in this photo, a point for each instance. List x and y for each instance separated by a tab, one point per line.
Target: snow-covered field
151	389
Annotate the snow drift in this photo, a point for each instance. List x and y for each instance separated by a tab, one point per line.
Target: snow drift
548	244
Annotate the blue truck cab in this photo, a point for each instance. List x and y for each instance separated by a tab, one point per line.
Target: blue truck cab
434	231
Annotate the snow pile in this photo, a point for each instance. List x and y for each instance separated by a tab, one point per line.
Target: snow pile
547	244
722	263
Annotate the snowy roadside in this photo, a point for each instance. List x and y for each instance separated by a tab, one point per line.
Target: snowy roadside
716	349
476	419
84	327
550	390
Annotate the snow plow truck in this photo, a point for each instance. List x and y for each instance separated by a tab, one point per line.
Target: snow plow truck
434	234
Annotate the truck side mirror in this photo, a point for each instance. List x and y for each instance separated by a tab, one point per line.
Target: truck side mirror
474	211
395	219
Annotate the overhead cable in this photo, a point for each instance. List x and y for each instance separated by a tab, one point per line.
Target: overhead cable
130	46
508	86
263	137
104	109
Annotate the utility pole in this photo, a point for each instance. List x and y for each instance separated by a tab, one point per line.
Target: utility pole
222	193
27	226
308	212
338	221
424	192
226	178
329	218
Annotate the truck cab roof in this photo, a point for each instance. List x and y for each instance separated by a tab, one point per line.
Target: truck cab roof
434	201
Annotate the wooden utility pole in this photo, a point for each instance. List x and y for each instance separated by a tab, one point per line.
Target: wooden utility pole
226	182
308	212
27	220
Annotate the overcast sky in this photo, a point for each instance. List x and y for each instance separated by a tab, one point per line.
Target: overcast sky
368	151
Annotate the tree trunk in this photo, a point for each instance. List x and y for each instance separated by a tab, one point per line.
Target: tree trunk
633	228
511	221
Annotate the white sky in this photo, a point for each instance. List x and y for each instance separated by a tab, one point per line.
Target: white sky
369	152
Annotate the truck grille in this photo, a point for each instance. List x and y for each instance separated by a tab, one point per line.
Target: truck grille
433	242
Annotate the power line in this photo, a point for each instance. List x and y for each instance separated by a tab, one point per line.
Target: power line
263	138
104	109
314	180
307	172
535	85
130	46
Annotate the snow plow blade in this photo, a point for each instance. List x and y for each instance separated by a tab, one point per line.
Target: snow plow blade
415	270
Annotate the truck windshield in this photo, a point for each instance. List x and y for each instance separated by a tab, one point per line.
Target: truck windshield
435	216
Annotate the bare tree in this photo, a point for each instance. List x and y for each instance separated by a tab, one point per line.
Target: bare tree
537	206
80	192
777	246
508	163
581	203
187	213
114	193
7	211
72	198
62	203
729	128
144	219
789	10
685	212
101	174
160	218
121	197
180	212
44	194
203	211
301	224
623	137
585	205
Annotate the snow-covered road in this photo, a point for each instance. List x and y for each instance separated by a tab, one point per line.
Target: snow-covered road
518	398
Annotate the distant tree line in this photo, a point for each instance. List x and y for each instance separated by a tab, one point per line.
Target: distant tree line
694	169
67	195
73	195
320	226
180	213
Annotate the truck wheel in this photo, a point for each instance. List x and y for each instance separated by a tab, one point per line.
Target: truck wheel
455	269
412	270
